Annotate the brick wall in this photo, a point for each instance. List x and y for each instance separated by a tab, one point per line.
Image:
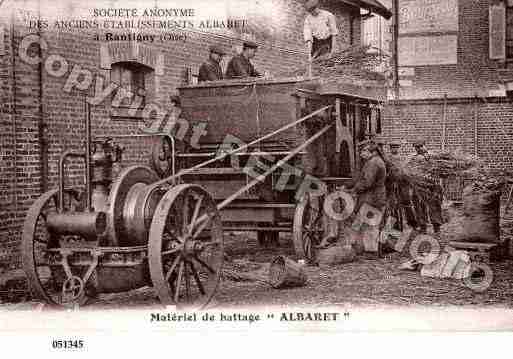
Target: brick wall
7	163
474	73
63	113
479	126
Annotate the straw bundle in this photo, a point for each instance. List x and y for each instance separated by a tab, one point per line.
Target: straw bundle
354	62
443	164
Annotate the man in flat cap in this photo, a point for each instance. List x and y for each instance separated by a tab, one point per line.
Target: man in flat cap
240	66
370	190
370	183
210	70
427	195
320	30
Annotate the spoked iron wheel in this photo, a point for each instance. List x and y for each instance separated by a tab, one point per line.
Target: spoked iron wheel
47	282
186	247
307	229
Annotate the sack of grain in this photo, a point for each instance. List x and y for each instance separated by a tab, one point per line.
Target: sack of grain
481	213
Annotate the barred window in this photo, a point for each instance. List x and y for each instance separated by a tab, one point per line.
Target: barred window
134	78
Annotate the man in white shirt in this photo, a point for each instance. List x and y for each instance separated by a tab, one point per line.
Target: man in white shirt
320	30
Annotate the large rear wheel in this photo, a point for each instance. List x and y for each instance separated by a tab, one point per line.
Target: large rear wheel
186	247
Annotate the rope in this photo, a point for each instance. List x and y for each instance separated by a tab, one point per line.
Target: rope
273	168
260	178
257	105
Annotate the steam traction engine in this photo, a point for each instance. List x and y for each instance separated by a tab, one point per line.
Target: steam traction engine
120	235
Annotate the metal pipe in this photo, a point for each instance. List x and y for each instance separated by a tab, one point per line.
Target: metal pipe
476	120
43	145
89	225
395	46
229	153
14	116
444	122
256	153
62	161
88	157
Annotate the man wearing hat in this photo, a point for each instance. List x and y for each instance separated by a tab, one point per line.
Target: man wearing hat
427	196
320	30
370	183
369	186
240	66
210	70
401	199
370	190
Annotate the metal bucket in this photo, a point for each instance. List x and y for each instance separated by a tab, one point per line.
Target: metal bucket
286	273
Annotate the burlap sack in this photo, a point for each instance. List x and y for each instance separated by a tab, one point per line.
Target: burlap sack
481	215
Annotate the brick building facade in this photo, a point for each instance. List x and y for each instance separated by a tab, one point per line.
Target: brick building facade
42	110
465	101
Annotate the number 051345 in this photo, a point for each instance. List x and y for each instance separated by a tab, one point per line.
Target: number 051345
68	344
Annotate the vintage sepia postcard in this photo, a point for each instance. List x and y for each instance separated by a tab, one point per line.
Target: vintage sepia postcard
255	166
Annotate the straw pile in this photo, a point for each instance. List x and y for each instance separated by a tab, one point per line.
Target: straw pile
354	62
443	164
243	271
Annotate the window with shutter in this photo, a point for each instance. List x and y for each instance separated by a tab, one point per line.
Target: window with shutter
509	30
497	28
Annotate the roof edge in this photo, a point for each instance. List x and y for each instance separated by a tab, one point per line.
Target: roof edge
371	5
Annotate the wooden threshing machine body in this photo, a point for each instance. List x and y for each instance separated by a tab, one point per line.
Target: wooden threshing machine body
245	110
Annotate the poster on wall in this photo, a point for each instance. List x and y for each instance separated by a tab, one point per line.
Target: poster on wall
428	32
427	16
428	50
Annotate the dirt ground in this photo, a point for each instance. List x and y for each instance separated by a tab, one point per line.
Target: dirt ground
368	281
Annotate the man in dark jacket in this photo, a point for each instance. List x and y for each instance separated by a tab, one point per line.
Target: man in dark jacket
371	195
369	188
428	197
370	183
398	188
210	70
240	66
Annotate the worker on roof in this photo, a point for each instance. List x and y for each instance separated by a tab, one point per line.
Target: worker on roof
211	70
240	66
320	30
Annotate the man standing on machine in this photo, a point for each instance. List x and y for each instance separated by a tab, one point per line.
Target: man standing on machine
320	30
210	70
240	66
